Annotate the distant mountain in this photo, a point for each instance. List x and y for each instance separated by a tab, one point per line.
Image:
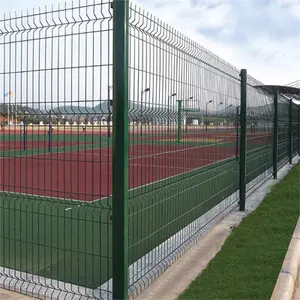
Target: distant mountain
19	109
136	111
73	110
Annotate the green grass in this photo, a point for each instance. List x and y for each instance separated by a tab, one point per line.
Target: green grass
251	258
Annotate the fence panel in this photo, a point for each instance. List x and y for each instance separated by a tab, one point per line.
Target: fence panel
295	128
283	130
260	116
183	171
62	107
55	204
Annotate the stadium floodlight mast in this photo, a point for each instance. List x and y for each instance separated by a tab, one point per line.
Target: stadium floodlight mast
172	95
206	113
221	103
218	111
142	94
186	128
230	105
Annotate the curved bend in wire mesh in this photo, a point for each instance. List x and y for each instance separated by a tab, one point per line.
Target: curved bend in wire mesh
56	110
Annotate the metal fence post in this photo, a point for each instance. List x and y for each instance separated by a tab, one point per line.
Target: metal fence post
275	134
120	149
290	131
243	137
237	132
299	129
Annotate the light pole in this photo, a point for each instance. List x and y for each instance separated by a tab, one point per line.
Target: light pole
186	128
206	113
218	111
142	94
173	95
221	103
225	113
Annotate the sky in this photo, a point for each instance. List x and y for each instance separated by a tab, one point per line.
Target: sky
260	35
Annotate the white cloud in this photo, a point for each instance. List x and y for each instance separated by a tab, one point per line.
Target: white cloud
269	48
262	36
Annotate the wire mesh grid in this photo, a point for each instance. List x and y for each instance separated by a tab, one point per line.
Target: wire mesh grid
283	130
56	76
295	129
260	116
183	167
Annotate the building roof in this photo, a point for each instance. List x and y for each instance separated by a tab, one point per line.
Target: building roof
288	91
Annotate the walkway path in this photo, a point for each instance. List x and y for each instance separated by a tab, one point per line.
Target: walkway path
297	291
8	295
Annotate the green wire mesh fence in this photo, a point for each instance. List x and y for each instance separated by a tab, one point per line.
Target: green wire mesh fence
172	156
283	130
55	204
260	117
295	129
70	169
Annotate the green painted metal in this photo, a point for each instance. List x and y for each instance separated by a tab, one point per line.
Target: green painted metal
275	135
283	131
120	149
243	139
299	129
179	118
88	220
237	124
290	134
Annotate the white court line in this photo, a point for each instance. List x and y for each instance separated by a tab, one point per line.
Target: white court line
51	197
102	198
109	196
174	247
85	151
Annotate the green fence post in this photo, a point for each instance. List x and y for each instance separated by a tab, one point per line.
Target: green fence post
290	131
299	129
120	150
275	134
243	138
237	132
179	117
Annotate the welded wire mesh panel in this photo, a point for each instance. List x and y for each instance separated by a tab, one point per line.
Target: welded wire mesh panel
260	110
283	130
183	170
295	128
55	180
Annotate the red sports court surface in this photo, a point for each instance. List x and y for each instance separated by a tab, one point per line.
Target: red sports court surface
87	175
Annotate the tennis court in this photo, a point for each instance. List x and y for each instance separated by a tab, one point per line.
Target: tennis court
85	174
43	194
201	135
49	188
